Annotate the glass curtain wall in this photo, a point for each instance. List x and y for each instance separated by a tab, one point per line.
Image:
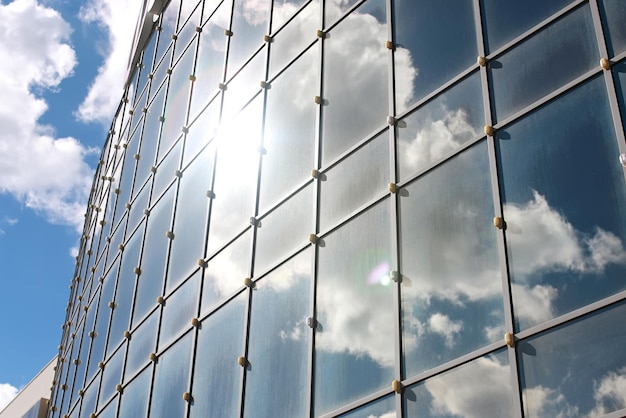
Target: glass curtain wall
359	208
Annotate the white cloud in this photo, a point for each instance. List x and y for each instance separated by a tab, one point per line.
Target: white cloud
543	240
457	393
118	18
46	173
441	324
534	303
610	393
540	401
7	393
386	415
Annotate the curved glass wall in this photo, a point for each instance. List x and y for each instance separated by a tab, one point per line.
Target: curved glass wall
365	208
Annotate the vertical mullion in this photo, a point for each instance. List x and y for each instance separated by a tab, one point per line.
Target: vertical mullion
395	245
516	407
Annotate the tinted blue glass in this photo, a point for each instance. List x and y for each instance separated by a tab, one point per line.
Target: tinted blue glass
503	20
89	399
549	59
135	403
451	283
278	342
111	376
153	257
142	343
564	198
149	138
216	390
354	310
428	53
614	15
481	388
619	75
179	308
171	380
440	126
579	368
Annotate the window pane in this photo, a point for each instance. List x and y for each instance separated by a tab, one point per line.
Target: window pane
216	390
358	179
284	9
354	311
179	308
579	369
564	197
250	23
440	127
171	380
289	139
549	59
141	345
614	15
283	230
227	271
235	176
190	218
111	376
153	257
451	283
135	403
504	20
429	53
278	342
481	388
356	100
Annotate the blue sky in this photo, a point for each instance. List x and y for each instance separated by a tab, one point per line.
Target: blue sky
61	79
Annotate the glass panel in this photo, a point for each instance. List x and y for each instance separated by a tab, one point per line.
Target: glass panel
451	283
171	380
284	9
561	246
227	271
335	9
125	183
141	345
149	138
481	388
235	176
440	127
504	20
179	308
355	82
289	129
189	18
220	341
355	181
201	131
139	205
102	321
191	218
166	171
110	410
135	403
124	292
210	62
177	102
89	400
293	39
244	86
250	23
111	376
614	15
557	54
280	233
429	53
354	311
278	342
153	257
382	408
578	369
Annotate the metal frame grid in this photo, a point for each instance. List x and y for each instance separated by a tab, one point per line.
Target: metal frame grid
98	257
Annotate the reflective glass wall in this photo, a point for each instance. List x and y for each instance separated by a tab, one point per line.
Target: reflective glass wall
380	208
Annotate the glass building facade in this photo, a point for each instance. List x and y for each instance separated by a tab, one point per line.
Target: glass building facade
380	208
